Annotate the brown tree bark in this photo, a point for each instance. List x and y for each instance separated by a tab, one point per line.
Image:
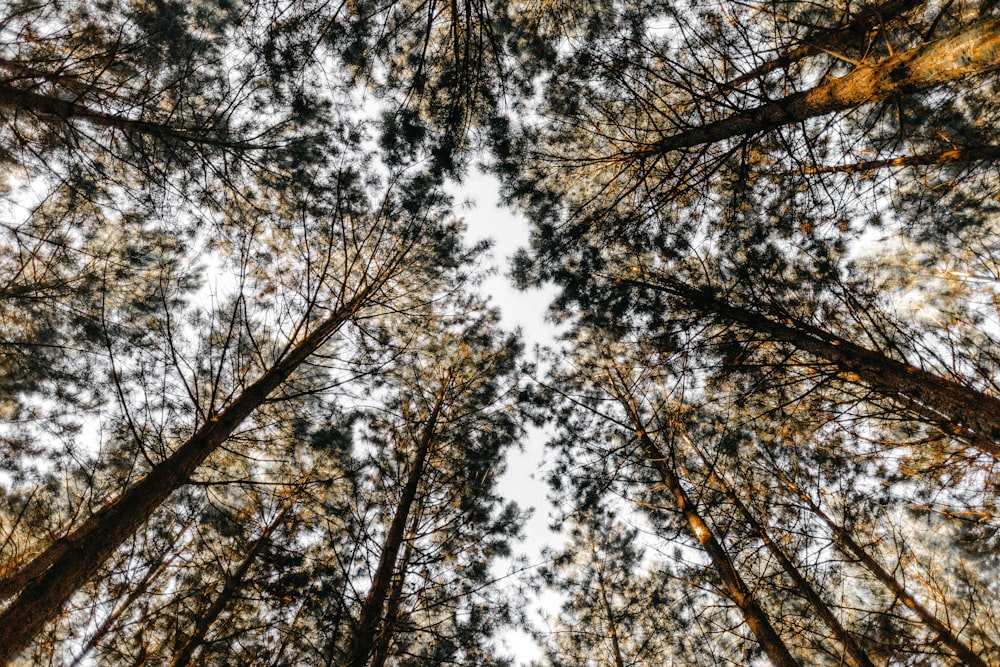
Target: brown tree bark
736	589
362	642
856	656
954	408
66	565
950	156
971	52
832	39
847	543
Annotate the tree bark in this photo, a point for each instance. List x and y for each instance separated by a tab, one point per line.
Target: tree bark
955	408
736	589
971	52
72	560
362	642
844	540
608	611
16	99
856	656
950	156
831	39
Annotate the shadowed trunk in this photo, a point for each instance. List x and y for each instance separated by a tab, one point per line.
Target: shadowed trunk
956	409
950	156
363	641
736	589
53	576
847	543
69	111
855	654
232	585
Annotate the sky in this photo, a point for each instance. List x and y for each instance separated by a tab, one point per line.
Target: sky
477	202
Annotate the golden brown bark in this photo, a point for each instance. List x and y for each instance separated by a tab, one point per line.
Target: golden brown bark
832	39
950	156
855	654
973	51
736	589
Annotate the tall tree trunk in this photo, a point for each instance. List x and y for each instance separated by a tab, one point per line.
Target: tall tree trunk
831	39
69	111
971	52
846	542
135	592
53	576
956	409
232	585
367	627
951	156
383	642
736	589
855	654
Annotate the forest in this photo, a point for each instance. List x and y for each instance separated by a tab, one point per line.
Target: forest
255	405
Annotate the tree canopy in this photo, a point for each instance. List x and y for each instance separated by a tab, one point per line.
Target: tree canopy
255	408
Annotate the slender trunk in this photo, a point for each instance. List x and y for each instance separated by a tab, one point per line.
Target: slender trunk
971	52
384	640
832	39
232	585
855	654
367	627
848	544
71	561
16	99
736	589
608	611
134	594
950	156
953	407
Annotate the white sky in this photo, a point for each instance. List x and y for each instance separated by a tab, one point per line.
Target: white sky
478	204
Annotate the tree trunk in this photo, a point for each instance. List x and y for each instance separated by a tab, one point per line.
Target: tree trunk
232	585
737	591
855	654
847	543
367	627
950	156
72	560
16	99
134	594
832	39
608	611
383	641
956	409
971	52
